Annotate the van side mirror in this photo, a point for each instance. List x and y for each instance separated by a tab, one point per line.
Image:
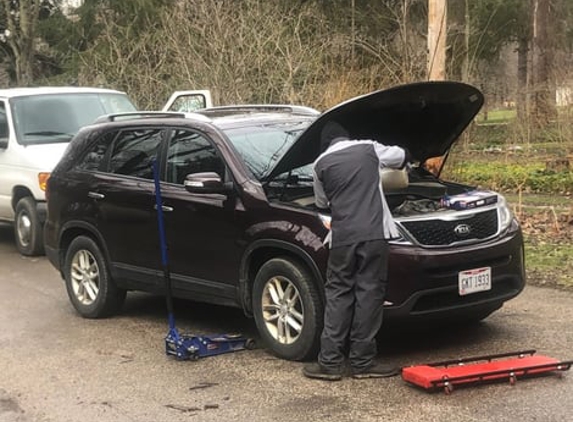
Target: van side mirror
207	182
3	143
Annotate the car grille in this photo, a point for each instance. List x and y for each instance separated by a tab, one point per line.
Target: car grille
446	232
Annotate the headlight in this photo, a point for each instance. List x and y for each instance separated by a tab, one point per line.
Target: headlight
325	219
505	213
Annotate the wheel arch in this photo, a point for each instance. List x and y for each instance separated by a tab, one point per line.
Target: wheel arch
73	229
19	192
260	252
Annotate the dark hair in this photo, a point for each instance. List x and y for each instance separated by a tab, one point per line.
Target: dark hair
331	131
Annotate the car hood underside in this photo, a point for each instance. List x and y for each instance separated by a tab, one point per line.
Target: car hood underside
426	118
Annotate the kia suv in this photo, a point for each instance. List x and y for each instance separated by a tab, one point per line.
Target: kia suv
240	221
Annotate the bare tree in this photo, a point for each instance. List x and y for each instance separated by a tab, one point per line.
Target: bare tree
543	105
20	35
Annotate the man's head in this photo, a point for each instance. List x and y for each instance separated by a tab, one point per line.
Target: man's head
331	131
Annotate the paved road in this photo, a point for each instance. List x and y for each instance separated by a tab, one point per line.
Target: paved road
56	366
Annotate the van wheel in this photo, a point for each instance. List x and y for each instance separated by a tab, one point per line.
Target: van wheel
288	310
90	288
28	230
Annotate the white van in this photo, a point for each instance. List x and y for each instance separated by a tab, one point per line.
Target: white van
36	125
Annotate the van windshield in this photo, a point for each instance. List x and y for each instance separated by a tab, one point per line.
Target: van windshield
53	118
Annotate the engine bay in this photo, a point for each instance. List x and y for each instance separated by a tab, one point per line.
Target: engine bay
423	194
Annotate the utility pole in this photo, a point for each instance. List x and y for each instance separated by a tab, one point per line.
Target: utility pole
437	31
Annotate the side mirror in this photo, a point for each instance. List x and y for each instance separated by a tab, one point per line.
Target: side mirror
3	143
208	182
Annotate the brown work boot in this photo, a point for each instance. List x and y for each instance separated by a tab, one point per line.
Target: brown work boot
378	370
317	371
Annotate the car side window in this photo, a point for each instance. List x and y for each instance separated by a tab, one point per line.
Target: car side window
93	159
134	151
190	152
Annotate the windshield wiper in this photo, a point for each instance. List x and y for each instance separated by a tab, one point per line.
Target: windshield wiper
48	133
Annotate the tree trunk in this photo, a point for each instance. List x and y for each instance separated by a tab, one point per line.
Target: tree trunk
522	59
437	31
543	106
22	26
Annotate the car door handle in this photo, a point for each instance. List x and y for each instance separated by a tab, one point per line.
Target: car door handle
95	195
164	208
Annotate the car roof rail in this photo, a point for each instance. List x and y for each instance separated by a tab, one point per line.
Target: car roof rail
222	111
136	114
148	114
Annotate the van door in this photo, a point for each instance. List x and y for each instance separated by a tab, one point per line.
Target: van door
188	101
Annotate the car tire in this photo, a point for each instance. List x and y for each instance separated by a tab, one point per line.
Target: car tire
288	309
90	287
28	230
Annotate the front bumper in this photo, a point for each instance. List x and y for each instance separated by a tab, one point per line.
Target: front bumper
423	283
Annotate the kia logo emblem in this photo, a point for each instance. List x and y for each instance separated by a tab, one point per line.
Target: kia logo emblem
462	230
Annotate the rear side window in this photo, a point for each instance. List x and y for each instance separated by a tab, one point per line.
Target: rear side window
134	152
190	152
94	158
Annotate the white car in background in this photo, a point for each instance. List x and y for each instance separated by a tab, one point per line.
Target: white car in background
36	125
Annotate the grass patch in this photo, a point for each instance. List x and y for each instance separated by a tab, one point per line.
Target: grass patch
539	200
548	237
497	116
549	264
527	176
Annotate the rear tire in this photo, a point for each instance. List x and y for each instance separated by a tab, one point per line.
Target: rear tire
28	230
90	287
288	310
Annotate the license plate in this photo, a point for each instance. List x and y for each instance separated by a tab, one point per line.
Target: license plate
476	280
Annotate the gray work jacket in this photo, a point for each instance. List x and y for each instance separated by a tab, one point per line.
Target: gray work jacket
347	180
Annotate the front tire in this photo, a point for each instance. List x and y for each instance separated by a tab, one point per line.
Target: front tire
90	287
28	230
288	310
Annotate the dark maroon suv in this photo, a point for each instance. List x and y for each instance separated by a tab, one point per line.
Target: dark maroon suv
241	225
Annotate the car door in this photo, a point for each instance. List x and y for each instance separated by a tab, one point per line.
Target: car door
202	229
125	200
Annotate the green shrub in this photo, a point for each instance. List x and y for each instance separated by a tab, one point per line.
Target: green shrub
510	177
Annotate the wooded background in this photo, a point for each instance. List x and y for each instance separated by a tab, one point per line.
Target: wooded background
321	52
311	52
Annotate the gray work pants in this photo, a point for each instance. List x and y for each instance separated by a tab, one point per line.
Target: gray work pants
355	289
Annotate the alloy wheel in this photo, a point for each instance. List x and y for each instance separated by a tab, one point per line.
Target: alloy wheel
283	310
85	277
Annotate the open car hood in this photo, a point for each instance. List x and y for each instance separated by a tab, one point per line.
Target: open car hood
426	118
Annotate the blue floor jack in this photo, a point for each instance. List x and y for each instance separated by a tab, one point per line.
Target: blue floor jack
184	346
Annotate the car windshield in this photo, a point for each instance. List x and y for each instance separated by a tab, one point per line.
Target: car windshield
262	146
52	118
